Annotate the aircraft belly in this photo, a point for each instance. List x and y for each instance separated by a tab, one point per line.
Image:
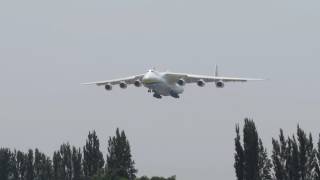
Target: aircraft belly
164	89
160	88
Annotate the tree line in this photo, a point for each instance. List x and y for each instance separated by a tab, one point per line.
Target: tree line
293	157
71	163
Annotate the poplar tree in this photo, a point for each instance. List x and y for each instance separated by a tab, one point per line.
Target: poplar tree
251	158
30	165
58	171
13	172
21	159
92	156
317	161
5	156
279	156
264	163
42	167
76	164
119	158
239	156
251	150
295	158
66	161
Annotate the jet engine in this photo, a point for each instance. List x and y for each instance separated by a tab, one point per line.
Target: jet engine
220	84
108	87
137	83
123	85
201	83
181	82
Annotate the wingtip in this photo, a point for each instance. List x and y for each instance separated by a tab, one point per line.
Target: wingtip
85	83
261	79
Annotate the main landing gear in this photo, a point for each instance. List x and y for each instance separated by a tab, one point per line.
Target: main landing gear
158	96
174	94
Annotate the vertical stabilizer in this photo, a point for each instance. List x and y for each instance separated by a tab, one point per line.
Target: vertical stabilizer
217	71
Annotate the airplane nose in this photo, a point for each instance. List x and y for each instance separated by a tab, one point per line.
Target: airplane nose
148	78
145	78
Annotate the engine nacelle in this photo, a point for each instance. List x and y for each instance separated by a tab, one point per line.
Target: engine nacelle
220	84
137	83
108	87
181	82
123	85
201	83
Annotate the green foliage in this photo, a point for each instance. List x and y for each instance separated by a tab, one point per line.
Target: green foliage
76	164
119	159
251	158
5	156
92	156
21	164
101	176
69	163
57	166
156	178
42	166
251	150
143	178
66	161
30	166
295	158
279	157
317	161
264	163
239	156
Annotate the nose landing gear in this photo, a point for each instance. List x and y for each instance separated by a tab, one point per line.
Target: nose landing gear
151	91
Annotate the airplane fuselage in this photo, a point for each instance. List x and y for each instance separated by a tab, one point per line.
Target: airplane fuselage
160	84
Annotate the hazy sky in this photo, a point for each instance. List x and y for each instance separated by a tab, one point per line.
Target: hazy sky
47	48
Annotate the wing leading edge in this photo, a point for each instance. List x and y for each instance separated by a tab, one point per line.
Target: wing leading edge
127	80
192	78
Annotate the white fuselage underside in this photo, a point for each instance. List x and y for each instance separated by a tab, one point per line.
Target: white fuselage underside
158	83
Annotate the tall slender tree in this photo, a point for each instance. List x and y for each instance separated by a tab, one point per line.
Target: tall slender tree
66	155
5	157
37	164
30	165
58	171
21	164
317	161
239	156
119	158
264	163
279	157
251	159
76	164
92	156
306	155
42	166
14	171
294	158
251	150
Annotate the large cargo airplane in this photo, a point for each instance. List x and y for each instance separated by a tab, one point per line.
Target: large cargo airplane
168	83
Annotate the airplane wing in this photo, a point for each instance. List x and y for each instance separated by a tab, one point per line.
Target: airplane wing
127	80
192	78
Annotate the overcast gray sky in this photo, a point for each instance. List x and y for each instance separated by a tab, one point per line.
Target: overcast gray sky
47	48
